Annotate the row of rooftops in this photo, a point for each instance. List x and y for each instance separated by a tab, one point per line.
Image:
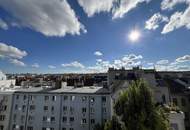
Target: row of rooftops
165	77
66	89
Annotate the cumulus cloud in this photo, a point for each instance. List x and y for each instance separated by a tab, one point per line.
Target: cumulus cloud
169	4
162	62
51	66
177	19
74	64
155	20
3	24
11	51
127	61
92	7
184	58
49	17
17	62
98	53
118	7
122	7
35	65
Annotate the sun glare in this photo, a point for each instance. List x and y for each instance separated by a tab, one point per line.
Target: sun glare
134	35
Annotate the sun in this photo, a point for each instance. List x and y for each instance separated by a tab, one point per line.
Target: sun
134	35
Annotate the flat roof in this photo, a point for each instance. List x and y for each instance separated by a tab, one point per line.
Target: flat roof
66	89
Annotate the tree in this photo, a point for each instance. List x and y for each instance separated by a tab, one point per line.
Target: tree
138	111
114	124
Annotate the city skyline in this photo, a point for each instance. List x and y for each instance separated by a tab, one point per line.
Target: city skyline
90	36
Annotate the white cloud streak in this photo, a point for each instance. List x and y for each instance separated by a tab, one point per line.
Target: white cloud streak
17	62
35	65
74	64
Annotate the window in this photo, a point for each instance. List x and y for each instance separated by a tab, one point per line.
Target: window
83	121
30	118
46	98
83	109
14	126
186	116
17	97
52	109
2	117
45	108
63	128
32	107
183	102
64	108
23	108
71	129
16	107
84	98
71	119
64	119
104	110
92	100
92	121
21	127
163	98
52	119
44	118
72	98
24	97
71	109
175	101
1	127
31	98
53	98
103	99
5	108
29	128
65	97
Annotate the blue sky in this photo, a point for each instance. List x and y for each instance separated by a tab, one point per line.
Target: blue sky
59	36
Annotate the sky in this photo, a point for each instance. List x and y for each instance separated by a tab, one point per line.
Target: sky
87	36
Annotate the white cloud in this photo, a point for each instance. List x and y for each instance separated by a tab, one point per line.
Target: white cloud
35	65
162	62
49	17
51	66
3	24
92	7
169	4
155	20
17	62
127	61
98	53
184	58
178	19
11	51
118	7
74	64
124	6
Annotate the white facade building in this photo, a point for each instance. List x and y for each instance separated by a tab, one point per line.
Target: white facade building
67	108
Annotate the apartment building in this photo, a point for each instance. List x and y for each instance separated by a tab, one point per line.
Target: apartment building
67	108
5	109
